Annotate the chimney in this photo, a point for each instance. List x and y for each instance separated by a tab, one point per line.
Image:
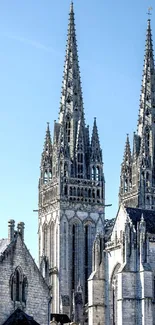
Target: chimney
20	229
11	227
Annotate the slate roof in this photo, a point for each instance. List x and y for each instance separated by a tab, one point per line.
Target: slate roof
3	245
149	217
20	318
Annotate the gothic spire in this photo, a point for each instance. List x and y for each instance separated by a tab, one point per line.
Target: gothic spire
71	99
46	161
96	152
127	151
147	99
126	170
137	176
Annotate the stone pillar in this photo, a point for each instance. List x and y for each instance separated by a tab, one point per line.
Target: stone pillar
20	228
11	228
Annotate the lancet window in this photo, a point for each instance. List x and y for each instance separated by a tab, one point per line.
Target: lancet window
19	286
80	165
68	129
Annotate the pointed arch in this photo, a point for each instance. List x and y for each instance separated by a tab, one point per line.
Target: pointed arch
18	285
114	295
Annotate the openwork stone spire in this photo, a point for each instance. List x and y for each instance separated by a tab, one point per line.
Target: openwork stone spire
46	160
147	98
71	99
141	192
126	169
96	152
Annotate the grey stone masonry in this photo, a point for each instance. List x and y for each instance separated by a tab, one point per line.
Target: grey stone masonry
21	283
137	181
71	193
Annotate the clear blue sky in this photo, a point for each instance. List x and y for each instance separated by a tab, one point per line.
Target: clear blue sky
111	39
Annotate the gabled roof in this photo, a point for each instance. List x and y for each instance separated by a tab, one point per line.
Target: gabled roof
4	242
149	217
20	318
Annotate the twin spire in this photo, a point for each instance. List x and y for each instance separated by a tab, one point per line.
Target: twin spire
141	192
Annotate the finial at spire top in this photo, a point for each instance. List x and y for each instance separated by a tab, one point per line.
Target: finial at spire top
71	6
149	11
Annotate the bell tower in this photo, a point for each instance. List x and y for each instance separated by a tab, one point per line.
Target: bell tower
71	193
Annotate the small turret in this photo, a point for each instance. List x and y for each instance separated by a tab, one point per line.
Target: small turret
96	163
46	161
126	171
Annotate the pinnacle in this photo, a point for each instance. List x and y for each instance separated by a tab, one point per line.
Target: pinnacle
71	7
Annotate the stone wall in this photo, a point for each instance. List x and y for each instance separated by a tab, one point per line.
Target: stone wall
17	255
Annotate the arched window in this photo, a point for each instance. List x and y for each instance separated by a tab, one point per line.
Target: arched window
89	235
114	296
68	126
65	169
73	255
45	239
50	175
71	191
45	177
98	173
80	165
24	289
126	185
147	179
19	286
93	173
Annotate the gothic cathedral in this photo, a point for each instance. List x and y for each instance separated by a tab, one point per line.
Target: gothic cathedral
100	271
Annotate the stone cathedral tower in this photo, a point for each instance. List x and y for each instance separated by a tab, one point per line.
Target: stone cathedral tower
137	183
71	193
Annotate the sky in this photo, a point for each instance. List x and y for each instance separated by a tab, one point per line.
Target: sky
111	40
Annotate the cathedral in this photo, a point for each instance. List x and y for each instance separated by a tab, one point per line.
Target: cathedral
93	270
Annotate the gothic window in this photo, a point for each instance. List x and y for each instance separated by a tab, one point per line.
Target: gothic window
89	234
45	240
65	169
19	286
74	254
24	289
65	245
68	129
98	173
50	175
80	165
52	245
86	263
126	185
114	296
71	191
45	177
93	173
147	179
89	193
98	193
74	191
65	190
